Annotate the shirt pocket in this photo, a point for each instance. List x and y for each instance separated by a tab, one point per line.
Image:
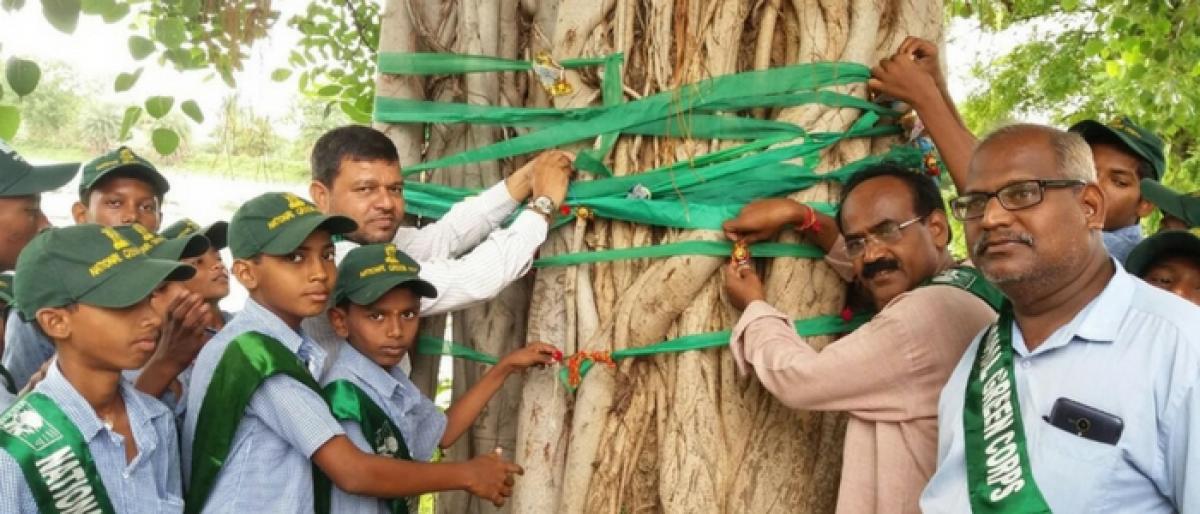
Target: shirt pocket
1073	469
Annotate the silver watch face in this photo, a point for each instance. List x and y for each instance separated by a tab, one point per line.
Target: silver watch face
543	204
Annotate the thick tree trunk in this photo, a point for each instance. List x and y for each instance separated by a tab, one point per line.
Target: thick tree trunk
678	433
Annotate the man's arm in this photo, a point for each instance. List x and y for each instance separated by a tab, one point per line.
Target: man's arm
913	75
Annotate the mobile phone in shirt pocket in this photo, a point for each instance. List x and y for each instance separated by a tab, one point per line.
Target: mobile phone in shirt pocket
1086	421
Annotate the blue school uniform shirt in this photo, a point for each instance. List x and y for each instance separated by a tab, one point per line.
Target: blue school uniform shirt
1121	241
420	422
25	349
1132	352
150	483
268	469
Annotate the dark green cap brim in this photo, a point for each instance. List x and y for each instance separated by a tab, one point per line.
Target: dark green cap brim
290	235
139	171
133	285
1171	202
180	248
1146	253
375	288
41	179
218	234
1090	129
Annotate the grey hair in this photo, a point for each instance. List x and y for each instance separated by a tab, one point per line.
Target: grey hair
1072	153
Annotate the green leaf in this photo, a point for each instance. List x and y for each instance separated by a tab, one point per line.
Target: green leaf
115	12
132	114
23	75
10	120
330	90
62	14
192	110
159	106
170	32
12	5
1112	68
165	140
281	74
356	115
140	47
125	81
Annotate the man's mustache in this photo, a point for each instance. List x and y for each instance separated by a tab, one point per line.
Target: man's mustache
991	238
875	267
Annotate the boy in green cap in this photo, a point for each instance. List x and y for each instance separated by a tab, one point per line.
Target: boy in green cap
1180	211
8	387
256	421
84	440
211	282
21	217
1169	260
120	188
376	308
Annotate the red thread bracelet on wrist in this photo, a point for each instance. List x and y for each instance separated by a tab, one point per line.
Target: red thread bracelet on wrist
811	224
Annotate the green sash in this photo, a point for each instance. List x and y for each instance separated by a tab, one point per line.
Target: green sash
53	457
970	280
999	477
349	403
249	360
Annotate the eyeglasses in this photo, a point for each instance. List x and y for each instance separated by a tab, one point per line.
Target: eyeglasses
1013	197
886	233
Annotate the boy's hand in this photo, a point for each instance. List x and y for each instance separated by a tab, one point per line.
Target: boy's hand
183	333
742	285
491	477
533	354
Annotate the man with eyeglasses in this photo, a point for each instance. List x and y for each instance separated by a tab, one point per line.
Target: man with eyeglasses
888	372
1084	395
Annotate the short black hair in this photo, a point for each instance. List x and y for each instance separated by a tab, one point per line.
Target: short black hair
926	196
354	142
1144	168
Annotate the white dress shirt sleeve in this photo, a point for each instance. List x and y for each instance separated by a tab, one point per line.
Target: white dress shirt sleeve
466	224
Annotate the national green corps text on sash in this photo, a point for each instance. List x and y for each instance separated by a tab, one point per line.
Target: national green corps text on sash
999	477
53	457
249	360
349	403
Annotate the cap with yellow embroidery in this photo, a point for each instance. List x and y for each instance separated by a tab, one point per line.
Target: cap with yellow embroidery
1141	142
6	292
370	271
19	178
276	224
1185	206
159	247
124	160
88	264
217	233
1154	248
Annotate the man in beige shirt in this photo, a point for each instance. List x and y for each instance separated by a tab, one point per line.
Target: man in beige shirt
888	373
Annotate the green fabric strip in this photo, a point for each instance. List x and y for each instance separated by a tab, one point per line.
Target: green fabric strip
710	248
349	403
53	457
429	345
248	361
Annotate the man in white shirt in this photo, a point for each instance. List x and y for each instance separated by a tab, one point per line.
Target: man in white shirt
466	255
1084	396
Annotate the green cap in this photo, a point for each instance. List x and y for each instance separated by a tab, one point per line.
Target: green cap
89	264
159	247
1151	249
1139	141
217	233
1185	206
276	223
19	178
370	271
6	289
122	159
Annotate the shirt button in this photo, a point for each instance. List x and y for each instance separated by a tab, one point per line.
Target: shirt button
1025	363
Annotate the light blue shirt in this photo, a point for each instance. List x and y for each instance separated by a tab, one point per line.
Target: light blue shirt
420	422
1134	352
1121	241
25	349
148	484
268	469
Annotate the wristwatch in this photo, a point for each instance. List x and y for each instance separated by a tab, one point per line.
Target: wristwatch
543	205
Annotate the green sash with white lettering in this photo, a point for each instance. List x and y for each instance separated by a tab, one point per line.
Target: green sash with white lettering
250	359
53	457
970	280
349	403
999	477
